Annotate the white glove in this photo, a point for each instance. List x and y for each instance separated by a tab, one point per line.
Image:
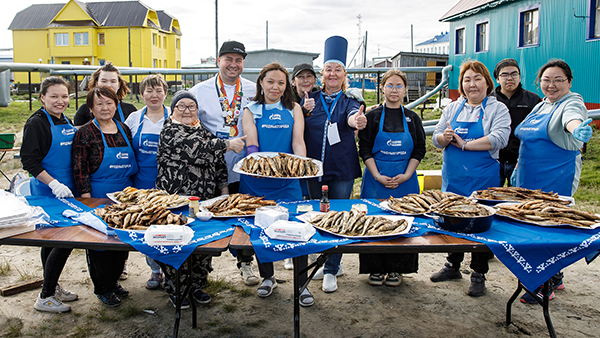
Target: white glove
354	93
60	190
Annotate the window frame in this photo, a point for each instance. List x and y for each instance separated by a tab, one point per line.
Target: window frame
522	11
82	34
61	34
485	22
154	36
103	39
593	21
464	36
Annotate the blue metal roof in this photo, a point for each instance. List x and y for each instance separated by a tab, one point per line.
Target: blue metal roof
444	37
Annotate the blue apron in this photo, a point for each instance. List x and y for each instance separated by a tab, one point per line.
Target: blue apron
117	167
121	112
466	171
57	161
391	152
145	146
274	131
543	164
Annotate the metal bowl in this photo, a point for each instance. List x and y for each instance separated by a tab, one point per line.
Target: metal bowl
467	225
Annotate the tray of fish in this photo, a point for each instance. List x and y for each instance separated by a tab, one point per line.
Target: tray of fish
462	214
153	196
495	195
236	205
279	165
355	224
129	216
544	213
414	204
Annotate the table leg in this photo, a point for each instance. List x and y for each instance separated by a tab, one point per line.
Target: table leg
178	302
180	296
544	303
3	174
299	289
511	301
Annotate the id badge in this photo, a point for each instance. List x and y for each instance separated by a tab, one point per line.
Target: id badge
333	135
223	133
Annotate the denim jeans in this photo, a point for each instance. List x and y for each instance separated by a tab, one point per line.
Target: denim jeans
153	265
337	190
506	170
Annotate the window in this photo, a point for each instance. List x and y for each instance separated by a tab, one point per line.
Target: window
159	39
165	42
177	43
166	64
459	40
154	39
101	39
594	20
81	39
159	63
597	20
153	63
61	39
178	64
482	37
529	20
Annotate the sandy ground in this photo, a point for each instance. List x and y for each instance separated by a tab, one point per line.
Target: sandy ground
417	308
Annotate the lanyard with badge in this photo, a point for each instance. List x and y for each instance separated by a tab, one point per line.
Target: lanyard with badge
330	131
229	112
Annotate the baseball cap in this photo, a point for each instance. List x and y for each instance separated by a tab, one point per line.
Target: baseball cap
302	66
233	47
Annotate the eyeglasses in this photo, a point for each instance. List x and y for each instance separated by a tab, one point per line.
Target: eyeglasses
557	82
507	75
391	87
182	107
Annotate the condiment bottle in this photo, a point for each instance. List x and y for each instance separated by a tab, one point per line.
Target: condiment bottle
324	199
194	206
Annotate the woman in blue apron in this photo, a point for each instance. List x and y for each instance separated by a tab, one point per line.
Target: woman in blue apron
145	126
273	122
108	75
472	130
103	162
551	136
392	146
46	155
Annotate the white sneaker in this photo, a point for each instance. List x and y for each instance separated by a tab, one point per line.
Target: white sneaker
247	274
319	274
50	304
64	295
329	283
288	264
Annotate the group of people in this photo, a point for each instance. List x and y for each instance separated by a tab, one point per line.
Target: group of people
191	149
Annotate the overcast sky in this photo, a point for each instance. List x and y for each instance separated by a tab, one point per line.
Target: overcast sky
293	25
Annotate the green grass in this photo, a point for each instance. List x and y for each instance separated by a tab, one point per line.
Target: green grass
4	267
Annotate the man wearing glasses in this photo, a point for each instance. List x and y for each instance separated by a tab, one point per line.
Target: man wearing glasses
519	102
221	101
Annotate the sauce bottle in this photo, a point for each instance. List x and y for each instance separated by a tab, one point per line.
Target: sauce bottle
324	199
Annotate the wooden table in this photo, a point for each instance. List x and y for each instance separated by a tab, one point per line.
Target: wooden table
427	244
84	237
4	151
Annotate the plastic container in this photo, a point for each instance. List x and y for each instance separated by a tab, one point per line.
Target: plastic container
169	234
268	215
290	231
194	205
204	215
7	141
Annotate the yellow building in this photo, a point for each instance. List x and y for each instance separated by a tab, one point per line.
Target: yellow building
92	33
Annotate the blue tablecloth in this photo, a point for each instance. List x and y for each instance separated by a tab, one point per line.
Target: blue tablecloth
54	207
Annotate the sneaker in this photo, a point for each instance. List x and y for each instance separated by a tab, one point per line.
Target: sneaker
319	274
528	299
477	287
306	298
329	283
446	273
247	274
109	299
120	291
376	279
288	264
125	274
557	281
266	288
50	304
184	305
393	279
64	295
201	296
559	286
154	281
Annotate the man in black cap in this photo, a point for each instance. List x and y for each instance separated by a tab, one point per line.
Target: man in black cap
221	101
520	102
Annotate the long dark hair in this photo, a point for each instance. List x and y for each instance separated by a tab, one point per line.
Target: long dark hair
287	99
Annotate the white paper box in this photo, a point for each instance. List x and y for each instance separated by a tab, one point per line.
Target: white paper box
265	216
290	231
168	234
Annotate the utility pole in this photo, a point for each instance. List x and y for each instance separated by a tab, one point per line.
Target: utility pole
216	30
267	37
359	24
129	45
411	38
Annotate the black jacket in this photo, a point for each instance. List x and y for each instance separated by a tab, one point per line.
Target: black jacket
519	106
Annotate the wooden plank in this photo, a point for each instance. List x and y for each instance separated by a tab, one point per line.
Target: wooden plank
18	288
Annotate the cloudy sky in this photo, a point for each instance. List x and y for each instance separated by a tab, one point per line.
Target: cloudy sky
293	25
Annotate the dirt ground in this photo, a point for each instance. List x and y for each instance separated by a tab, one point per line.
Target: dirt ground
417	308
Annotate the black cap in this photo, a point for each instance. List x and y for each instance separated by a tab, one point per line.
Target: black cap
505	63
182	94
233	47
303	66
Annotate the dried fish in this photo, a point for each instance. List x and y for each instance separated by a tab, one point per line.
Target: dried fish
357	224
518	194
238	205
130	216
282	165
543	212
